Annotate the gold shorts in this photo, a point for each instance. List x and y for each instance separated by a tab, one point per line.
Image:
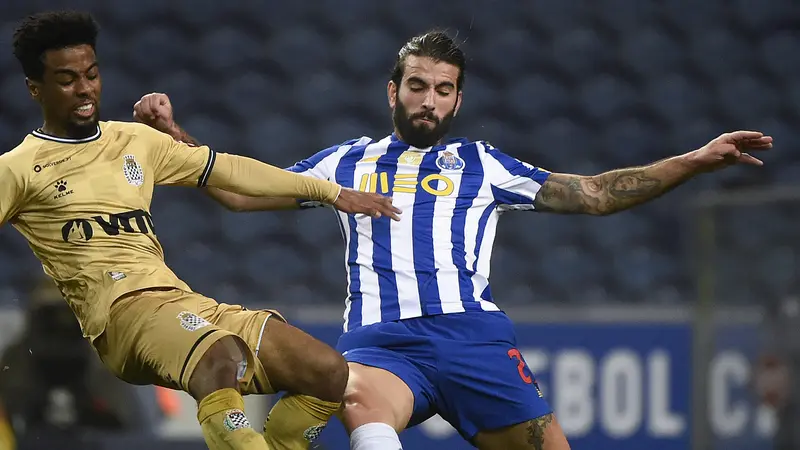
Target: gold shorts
158	336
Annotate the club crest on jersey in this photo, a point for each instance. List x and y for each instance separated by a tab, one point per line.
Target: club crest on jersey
133	171
448	160
191	321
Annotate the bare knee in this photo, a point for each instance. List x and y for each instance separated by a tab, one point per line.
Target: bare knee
298	363
376	395
332	368
325	375
218	368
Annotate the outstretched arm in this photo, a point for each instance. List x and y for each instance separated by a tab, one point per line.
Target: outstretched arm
230	200
246	176
612	191
621	189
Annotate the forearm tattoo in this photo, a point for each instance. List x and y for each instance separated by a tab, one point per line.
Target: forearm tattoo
609	192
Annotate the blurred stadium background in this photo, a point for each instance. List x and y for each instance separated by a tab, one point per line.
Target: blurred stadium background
645	328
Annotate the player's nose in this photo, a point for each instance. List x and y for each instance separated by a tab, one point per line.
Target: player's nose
82	87
429	102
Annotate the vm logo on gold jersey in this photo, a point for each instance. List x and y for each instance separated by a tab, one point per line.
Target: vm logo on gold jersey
133	222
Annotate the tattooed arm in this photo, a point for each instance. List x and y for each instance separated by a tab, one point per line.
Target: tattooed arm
618	190
613	191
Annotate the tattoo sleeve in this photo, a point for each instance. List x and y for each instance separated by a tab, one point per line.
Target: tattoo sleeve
536	428
613	191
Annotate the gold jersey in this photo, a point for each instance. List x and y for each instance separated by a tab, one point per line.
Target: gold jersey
84	207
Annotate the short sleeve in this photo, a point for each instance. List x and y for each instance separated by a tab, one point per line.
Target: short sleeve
514	183
12	189
324	162
322	165
178	163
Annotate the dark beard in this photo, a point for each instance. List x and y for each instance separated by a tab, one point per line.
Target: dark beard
85	128
420	136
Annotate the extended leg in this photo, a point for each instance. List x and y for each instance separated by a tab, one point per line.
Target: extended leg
313	374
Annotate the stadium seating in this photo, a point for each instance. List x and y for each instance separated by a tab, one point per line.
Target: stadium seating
571	85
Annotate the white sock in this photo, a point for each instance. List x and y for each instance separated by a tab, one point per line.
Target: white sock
375	436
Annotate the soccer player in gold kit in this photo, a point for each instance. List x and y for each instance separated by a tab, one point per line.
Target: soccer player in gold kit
79	190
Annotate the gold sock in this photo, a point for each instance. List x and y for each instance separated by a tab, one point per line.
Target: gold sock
224	425
296	421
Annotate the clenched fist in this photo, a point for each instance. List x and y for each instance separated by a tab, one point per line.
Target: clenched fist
155	110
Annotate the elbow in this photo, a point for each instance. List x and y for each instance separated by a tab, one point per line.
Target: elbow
601	212
236	205
233	207
231	202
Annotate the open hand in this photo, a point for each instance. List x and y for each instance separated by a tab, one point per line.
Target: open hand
729	149
374	205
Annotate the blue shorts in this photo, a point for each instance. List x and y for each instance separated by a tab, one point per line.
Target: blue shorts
465	367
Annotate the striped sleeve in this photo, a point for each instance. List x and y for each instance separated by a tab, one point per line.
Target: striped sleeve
514	183
323	164
315	166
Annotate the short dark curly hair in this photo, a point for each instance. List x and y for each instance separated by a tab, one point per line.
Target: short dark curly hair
436	44
51	30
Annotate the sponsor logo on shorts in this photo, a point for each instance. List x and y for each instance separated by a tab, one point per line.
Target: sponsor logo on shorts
117	276
312	433
235	420
191	321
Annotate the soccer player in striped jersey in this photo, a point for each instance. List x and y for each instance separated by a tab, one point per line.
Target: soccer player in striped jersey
422	333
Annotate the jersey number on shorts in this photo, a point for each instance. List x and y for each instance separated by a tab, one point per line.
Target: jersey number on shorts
515	354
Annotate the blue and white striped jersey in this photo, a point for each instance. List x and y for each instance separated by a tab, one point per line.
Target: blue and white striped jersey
435	260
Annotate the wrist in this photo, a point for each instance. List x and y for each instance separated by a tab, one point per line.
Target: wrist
174	131
338	192
691	162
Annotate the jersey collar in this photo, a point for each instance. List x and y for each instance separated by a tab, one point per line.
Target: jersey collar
456	140
42	135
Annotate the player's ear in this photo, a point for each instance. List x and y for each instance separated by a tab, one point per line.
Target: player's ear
458	103
391	93
33	89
